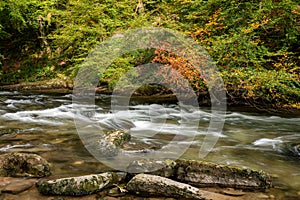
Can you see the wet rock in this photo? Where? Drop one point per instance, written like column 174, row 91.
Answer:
column 140, row 146
column 9, row 131
column 291, row 150
column 152, row 185
column 117, row 137
column 23, row 165
column 295, row 150
column 17, row 185
column 165, row 168
column 203, row 174
column 111, row 143
column 200, row 173
column 81, row 185
column 232, row 192
column 116, row 192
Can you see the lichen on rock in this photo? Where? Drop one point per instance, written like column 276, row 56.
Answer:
column 110, row 144
column 201, row 173
column 81, row 185
column 23, row 165
column 152, row 185
column 165, row 168
column 204, row 174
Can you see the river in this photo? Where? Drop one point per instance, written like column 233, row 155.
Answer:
column 44, row 124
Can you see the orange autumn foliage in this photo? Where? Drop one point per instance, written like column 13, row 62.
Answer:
column 182, row 69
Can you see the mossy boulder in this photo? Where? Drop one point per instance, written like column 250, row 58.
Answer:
column 117, row 137
column 81, row 185
column 23, row 165
column 201, row 173
column 204, row 174
column 110, row 144
column 152, row 185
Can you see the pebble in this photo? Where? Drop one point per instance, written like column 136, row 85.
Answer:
column 16, row 185
column 232, row 192
column 115, row 192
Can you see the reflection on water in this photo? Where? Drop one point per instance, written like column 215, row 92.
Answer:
column 44, row 124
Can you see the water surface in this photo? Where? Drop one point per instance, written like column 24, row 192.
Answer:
column 44, row 124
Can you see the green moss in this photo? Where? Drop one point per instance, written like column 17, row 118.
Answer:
column 203, row 173
column 21, row 164
column 78, row 186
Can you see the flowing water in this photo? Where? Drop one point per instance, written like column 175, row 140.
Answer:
column 44, row 124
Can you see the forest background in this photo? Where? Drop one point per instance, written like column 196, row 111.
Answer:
column 255, row 44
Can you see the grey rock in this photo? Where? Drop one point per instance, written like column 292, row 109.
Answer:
column 204, row 174
column 109, row 144
column 165, row 168
column 23, row 165
column 152, row 185
column 81, row 185
column 201, row 173
column 17, row 185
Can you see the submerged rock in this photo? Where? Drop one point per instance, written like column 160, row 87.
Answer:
column 200, row 173
column 152, row 185
column 23, row 165
column 81, row 185
column 9, row 131
column 291, row 150
column 296, row 150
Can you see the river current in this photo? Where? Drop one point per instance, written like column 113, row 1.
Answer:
column 44, row 124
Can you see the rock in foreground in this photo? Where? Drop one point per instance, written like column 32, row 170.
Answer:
column 200, row 173
column 204, row 174
column 23, row 165
column 152, row 185
column 78, row 186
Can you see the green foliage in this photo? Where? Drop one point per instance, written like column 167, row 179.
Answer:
column 255, row 44
column 262, row 87
column 123, row 64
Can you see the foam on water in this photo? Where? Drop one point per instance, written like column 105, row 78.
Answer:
column 20, row 101
column 8, row 147
column 267, row 142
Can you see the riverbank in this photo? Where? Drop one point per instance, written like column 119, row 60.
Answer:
column 59, row 86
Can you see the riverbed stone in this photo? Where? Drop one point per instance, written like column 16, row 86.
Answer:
column 81, row 185
column 201, row 173
column 16, row 185
column 4, row 131
column 152, row 185
column 116, row 192
column 290, row 149
column 23, row 165
column 110, row 144
column 296, row 150
column 117, row 137
column 165, row 168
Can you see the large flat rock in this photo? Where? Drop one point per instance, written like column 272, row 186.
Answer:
column 204, row 174
column 152, row 185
